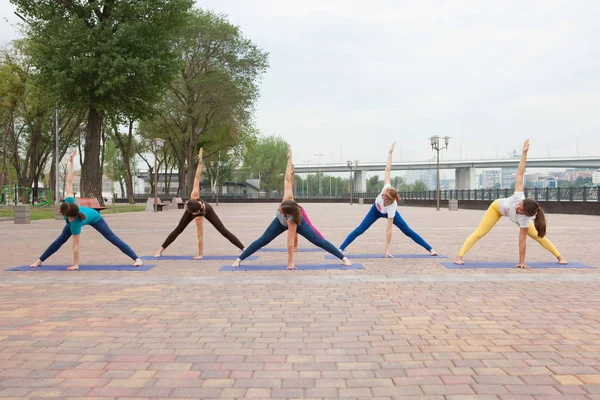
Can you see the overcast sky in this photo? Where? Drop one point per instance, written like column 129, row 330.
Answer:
column 347, row 78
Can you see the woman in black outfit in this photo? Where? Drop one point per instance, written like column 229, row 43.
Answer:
column 196, row 209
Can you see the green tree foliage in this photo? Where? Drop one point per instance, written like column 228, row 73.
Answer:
column 266, row 160
column 109, row 56
column 420, row 186
column 211, row 102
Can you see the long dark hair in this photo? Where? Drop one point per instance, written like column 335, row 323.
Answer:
column 71, row 210
column 290, row 207
column 531, row 208
column 193, row 206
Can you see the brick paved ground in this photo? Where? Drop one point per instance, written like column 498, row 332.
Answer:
column 400, row 329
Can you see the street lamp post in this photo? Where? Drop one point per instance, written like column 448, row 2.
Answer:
column 319, row 173
column 350, row 166
column 350, row 180
column 156, row 143
column 306, row 163
column 435, row 145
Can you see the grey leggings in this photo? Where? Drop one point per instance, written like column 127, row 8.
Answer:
column 276, row 229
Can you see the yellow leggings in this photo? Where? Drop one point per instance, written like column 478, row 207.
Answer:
column 490, row 218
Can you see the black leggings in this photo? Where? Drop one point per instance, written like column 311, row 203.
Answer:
column 212, row 217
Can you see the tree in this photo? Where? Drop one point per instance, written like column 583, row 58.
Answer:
column 420, row 186
column 215, row 92
column 109, row 56
column 373, row 184
column 266, row 160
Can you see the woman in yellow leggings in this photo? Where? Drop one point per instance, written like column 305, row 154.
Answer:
column 526, row 213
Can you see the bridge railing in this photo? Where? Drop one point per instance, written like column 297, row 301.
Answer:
column 583, row 193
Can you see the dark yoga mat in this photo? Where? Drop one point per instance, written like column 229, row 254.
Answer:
column 381, row 255
column 191, row 258
column 284, row 250
column 85, row 267
column 552, row 264
column 283, row 267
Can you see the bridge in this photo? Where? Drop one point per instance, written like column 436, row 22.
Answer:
column 464, row 169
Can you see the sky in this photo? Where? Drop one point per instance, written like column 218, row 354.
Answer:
column 348, row 78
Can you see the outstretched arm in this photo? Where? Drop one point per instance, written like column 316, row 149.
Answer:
column 388, row 167
column 288, row 189
column 196, row 189
column 521, row 168
column 69, row 185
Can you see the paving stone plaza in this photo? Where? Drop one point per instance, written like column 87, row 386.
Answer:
column 399, row 329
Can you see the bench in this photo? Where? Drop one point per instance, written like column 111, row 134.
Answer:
column 177, row 201
column 91, row 203
column 158, row 205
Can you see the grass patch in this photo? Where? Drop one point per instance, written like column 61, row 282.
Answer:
column 47, row 212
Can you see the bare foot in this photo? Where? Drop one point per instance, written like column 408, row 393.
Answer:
column 347, row 262
column 562, row 260
column 459, row 261
column 433, row 252
column 522, row 266
column 236, row 263
column 198, row 257
column 138, row 262
column 388, row 255
column 36, row 264
column 73, row 268
column 159, row 253
column 295, row 249
column 291, row 265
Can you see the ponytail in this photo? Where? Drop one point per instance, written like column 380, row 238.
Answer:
column 290, row 207
column 393, row 193
column 71, row 210
column 533, row 209
column 540, row 223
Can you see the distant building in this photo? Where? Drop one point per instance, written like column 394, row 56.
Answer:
column 489, row 178
column 596, row 177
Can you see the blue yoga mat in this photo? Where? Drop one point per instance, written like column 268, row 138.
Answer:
column 85, row 267
column 207, row 258
column 552, row 264
column 283, row 267
column 359, row 256
column 284, row 250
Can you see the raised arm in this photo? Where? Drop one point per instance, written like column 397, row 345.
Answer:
column 388, row 167
column 196, row 188
column 288, row 188
column 521, row 168
column 69, row 184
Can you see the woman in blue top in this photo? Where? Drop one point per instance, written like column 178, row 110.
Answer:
column 288, row 217
column 76, row 217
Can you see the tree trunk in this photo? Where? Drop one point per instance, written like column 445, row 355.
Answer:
column 126, row 149
column 91, row 171
column 169, row 179
column 190, row 162
column 181, row 176
column 123, row 189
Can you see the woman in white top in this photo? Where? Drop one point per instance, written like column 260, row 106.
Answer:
column 526, row 213
column 386, row 206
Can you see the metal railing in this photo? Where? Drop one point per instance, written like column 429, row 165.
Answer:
column 583, row 193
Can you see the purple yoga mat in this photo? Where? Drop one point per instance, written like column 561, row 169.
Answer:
column 85, row 267
column 553, row 264
column 381, row 255
column 283, row 267
column 284, row 250
column 188, row 258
